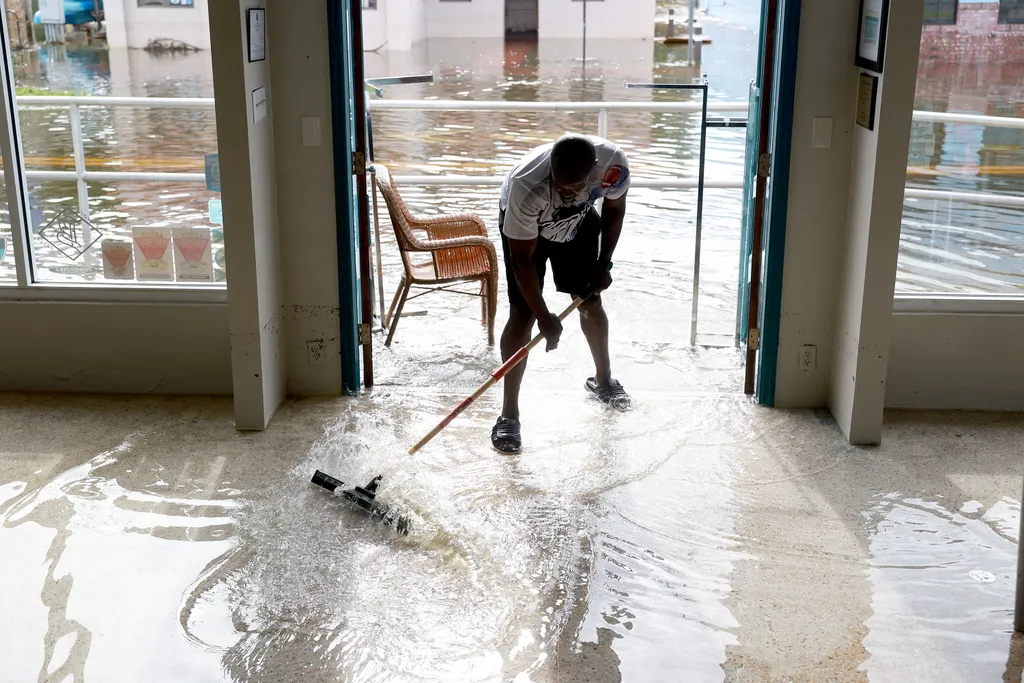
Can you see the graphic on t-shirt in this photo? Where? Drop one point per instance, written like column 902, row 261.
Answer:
column 564, row 223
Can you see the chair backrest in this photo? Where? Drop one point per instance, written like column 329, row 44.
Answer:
column 401, row 218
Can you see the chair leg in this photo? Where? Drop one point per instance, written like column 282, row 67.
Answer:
column 483, row 303
column 394, row 302
column 398, row 314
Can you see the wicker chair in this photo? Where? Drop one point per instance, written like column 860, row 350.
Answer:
column 460, row 251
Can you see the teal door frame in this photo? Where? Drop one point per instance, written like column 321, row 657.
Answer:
column 765, row 197
column 787, row 36
column 341, row 39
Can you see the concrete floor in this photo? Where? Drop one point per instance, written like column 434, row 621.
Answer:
column 696, row 538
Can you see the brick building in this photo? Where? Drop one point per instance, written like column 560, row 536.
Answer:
column 973, row 31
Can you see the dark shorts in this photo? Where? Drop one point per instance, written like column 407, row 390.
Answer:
column 572, row 262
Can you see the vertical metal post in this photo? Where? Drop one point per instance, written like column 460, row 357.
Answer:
column 14, row 164
column 602, row 123
column 1018, row 613
column 83, row 187
column 691, row 49
column 584, row 38
column 700, row 214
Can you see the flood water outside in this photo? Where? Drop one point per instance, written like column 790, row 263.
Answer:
column 946, row 247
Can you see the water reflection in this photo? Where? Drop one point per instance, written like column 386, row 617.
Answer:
column 943, row 590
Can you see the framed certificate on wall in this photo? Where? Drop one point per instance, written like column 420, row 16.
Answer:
column 871, row 30
column 257, row 34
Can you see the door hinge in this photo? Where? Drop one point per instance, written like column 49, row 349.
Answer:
column 754, row 339
column 764, row 165
column 359, row 163
column 365, row 335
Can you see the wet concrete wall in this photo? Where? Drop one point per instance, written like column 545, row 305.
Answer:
column 119, row 348
column 953, row 361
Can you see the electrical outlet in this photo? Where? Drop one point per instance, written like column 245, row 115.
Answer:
column 315, row 347
column 808, row 358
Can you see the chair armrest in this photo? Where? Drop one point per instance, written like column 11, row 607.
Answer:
column 447, row 227
column 460, row 243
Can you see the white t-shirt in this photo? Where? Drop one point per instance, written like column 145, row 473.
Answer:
column 533, row 206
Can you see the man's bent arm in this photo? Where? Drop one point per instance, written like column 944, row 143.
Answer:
column 613, row 212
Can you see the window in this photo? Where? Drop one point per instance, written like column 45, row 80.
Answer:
column 940, row 11
column 1011, row 11
column 167, row 3
column 114, row 191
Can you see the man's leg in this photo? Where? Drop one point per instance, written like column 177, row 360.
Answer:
column 518, row 331
column 594, row 322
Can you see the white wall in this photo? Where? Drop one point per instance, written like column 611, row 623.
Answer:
column 878, row 179
column 249, row 191
column 607, row 19
column 300, row 70
column 945, row 361
column 818, row 199
column 475, row 19
column 129, row 25
column 375, row 25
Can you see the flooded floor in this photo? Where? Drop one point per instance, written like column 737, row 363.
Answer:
column 697, row 537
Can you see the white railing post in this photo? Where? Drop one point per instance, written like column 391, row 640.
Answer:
column 602, row 124
column 79, row 150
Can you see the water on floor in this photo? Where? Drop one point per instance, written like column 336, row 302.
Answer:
column 694, row 536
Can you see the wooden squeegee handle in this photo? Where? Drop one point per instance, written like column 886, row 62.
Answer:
column 506, row 368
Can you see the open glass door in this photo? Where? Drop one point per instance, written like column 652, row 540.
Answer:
column 754, row 194
column 349, row 127
column 766, row 196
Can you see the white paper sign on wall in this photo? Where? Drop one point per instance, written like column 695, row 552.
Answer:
column 259, row 104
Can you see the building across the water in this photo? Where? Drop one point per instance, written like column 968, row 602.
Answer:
column 979, row 31
column 399, row 24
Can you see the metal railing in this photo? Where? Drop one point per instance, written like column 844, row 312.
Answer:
column 739, row 108
column 81, row 175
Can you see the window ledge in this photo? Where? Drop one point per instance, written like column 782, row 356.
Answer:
column 960, row 304
column 115, row 295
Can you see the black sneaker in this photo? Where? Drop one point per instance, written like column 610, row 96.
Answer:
column 611, row 394
column 506, row 436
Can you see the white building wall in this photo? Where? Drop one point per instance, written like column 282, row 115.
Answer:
column 606, row 19
column 461, row 19
column 129, row 25
column 375, row 26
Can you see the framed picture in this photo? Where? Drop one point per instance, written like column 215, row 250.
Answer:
column 257, row 23
column 867, row 101
column 871, row 30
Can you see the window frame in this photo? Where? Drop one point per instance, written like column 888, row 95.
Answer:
column 27, row 287
column 942, row 22
column 1005, row 9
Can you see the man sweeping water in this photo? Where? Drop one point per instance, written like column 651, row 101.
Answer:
column 548, row 215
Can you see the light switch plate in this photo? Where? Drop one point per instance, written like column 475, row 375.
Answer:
column 821, row 135
column 311, row 131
